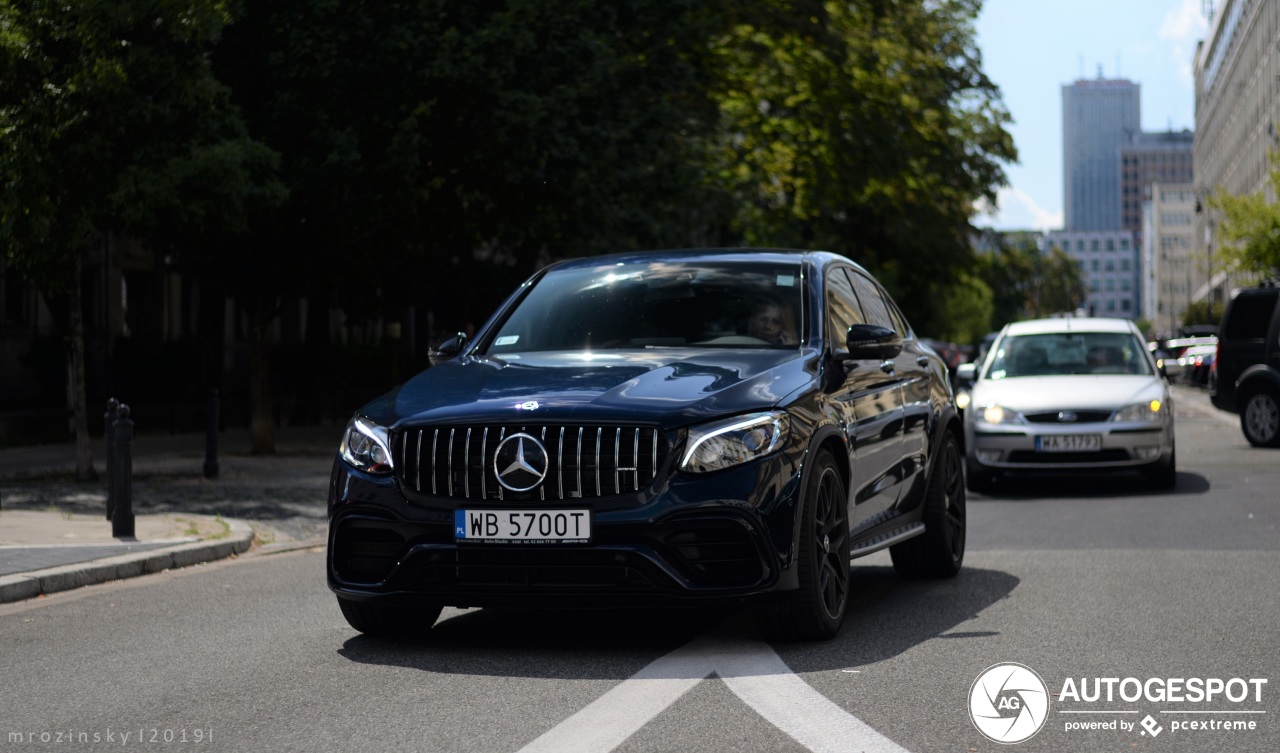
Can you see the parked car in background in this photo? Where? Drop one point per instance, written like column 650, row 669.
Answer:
column 1246, row 373
column 1196, row 362
column 1069, row 394
column 655, row 429
column 1174, row 363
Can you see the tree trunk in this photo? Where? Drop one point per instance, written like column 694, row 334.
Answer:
column 76, row 393
column 261, row 409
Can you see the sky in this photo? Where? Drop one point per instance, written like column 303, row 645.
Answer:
column 1031, row 48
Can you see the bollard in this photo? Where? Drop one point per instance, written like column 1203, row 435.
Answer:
column 122, row 450
column 109, row 432
column 211, row 435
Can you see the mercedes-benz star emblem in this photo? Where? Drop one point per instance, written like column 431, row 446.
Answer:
column 520, row 462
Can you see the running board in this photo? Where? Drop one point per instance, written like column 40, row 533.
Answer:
column 886, row 539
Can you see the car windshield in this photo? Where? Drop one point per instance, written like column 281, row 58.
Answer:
column 711, row 304
column 1064, row 353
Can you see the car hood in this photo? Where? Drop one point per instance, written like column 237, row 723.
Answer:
column 669, row 387
column 1080, row 392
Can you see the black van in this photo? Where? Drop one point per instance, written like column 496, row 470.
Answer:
column 1246, row 374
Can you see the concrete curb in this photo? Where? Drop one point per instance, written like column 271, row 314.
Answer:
column 29, row 585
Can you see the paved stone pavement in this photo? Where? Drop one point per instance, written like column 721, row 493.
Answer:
column 50, row 524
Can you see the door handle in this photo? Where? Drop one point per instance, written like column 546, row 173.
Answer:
column 886, row 367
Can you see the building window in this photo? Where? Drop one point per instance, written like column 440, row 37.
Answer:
column 1111, row 244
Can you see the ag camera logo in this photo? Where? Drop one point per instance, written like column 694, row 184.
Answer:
column 1008, row 703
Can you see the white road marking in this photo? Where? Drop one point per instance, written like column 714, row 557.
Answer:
column 750, row 668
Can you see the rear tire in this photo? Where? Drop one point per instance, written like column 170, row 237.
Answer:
column 395, row 621
column 1260, row 417
column 816, row 611
column 939, row 551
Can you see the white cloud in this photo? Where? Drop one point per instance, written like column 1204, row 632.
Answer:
column 1183, row 27
column 1016, row 210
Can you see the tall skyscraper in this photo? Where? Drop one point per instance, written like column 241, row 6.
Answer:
column 1099, row 116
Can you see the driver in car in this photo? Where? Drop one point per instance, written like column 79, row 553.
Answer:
column 767, row 323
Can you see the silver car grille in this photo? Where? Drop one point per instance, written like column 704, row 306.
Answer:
column 583, row 461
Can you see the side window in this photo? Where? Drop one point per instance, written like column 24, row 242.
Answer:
column 873, row 302
column 1250, row 316
column 842, row 307
column 899, row 321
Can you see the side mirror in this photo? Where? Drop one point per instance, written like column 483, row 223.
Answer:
column 871, row 341
column 447, row 349
column 966, row 375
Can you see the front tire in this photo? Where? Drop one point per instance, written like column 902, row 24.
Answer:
column 939, row 551
column 1260, row 418
column 1165, row 473
column 817, row 609
column 394, row 621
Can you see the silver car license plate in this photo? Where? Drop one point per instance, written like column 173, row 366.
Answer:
column 1069, row 443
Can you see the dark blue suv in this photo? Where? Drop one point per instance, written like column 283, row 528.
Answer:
column 655, row 429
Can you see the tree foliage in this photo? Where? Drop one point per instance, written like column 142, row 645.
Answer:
column 1027, row 283
column 867, row 128
column 1250, row 229
column 111, row 123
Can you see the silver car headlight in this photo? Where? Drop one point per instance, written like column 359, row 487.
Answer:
column 367, row 446
column 1149, row 412
column 722, row 444
column 997, row 414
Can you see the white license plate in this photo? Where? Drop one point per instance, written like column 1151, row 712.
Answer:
column 527, row 527
column 1069, row 443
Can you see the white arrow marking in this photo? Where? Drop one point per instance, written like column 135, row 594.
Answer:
column 751, row 669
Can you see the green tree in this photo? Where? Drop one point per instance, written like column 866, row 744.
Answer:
column 1027, row 283
column 1250, row 228
column 110, row 122
column 1202, row 312
column 970, row 304
column 866, row 128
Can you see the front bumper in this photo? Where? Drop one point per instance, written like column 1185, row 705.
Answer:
column 1121, row 446
column 685, row 541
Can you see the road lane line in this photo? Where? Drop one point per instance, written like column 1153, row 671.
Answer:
column 760, row 678
column 751, row 669
column 609, row 720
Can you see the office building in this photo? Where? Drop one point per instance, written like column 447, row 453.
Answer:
column 1110, row 265
column 1099, row 117
column 1151, row 157
column 1171, row 273
column 1237, row 71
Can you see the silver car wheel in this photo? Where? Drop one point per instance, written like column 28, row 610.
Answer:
column 1262, row 419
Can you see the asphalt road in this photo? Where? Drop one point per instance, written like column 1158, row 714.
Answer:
column 1079, row 580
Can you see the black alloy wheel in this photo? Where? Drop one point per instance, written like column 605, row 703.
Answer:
column 939, row 551
column 817, row 609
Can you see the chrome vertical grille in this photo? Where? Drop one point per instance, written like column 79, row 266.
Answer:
column 584, row 462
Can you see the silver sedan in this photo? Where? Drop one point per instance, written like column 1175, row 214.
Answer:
column 1069, row 394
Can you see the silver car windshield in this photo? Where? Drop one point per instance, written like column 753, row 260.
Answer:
column 658, row 305
column 1066, row 353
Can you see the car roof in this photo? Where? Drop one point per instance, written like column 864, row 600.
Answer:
column 1069, row 324
column 766, row 255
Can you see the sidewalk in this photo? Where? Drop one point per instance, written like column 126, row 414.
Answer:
column 54, row 534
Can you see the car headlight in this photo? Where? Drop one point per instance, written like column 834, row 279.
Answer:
column 996, row 414
column 367, row 446
column 723, row 444
column 1150, row 412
